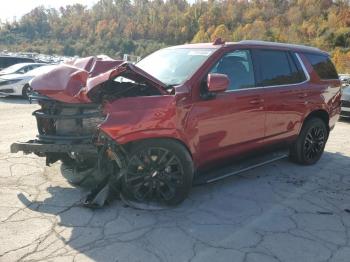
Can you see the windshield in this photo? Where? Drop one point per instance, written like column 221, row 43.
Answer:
column 175, row 65
column 12, row 69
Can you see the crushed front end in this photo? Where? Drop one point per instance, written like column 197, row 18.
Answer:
column 66, row 131
column 72, row 99
column 69, row 133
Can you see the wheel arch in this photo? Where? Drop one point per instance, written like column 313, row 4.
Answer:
column 132, row 138
column 179, row 141
column 26, row 85
column 319, row 113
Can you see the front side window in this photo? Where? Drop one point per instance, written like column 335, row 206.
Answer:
column 323, row 66
column 23, row 70
column 12, row 69
column 238, row 67
column 31, row 67
column 173, row 66
column 276, row 68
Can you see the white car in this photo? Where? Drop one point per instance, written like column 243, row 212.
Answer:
column 20, row 68
column 345, row 79
column 345, row 102
column 345, row 98
column 18, row 84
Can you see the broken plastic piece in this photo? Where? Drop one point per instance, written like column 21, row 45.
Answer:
column 99, row 196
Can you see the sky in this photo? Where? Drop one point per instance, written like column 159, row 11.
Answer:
column 16, row 8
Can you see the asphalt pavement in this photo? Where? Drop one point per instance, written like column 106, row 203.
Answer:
column 280, row 212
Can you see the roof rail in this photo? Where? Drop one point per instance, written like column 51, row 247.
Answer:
column 218, row 41
column 277, row 44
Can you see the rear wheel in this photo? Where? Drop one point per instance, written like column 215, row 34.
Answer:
column 158, row 170
column 309, row 146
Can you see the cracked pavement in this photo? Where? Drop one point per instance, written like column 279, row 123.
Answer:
column 280, row 212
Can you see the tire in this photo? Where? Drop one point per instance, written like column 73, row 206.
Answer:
column 309, row 146
column 83, row 164
column 158, row 170
column 25, row 91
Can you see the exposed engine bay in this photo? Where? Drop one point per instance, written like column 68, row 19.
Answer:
column 112, row 90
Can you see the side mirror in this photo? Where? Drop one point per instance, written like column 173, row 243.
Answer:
column 217, row 83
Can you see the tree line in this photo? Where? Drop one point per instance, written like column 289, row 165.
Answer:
column 139, row 27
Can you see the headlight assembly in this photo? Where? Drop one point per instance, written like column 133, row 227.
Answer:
column 9, row 82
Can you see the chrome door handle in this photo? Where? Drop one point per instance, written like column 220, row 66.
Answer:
column 256, row 101
column 302, row 95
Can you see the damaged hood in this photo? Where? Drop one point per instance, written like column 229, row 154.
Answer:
column 71, row 82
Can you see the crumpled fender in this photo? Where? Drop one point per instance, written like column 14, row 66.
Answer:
column 150, row 117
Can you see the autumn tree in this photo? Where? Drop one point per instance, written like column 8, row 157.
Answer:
column 139, row 27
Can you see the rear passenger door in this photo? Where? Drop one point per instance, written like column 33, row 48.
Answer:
column 281, row 76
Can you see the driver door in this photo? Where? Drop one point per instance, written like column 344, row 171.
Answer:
column 232, row 122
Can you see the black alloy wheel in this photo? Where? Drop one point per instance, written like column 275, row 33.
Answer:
column 160, row 171
column 314, row 142
column 309, row 146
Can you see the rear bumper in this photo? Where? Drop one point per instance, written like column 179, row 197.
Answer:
column 34, row 146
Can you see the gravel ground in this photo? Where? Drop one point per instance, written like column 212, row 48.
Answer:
column 280, row 212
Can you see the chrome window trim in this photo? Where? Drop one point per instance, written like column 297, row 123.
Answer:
column 306, row 73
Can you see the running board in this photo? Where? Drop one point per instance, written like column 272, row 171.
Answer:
column 239, row 167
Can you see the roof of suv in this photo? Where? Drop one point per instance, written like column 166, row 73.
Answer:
column 255, row 43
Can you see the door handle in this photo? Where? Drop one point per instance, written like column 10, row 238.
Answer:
column 256, row 101
column 302, row 95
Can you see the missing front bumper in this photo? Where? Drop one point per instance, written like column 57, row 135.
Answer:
column 36, row 147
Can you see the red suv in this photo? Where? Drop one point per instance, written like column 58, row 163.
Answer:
column 185, row 114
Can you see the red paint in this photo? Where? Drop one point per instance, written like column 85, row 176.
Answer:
column 230, row 124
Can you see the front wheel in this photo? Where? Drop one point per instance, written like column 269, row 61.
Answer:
column 309, row 146
column 158, row 170
column 26, row 91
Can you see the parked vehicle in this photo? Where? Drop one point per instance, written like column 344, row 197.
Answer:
column 345, row 108
column 6, row 61
column 18, row 84
column 345, row 102
column 20, row 68
column 155, row 128
column 345, row 79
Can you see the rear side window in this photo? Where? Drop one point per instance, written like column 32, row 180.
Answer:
column 277, row 68
column 323, row 66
